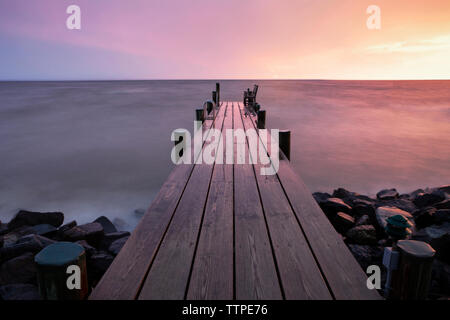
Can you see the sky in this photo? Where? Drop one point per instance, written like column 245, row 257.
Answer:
column 224, row 39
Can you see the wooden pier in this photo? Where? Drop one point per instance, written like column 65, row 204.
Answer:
column 223, row 231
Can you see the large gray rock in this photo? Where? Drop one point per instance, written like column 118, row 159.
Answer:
column 428, row 199
column 342, row 222
column 108, row 226
column 404, row 204
column 44, row 229
column 31, row 243
column 18, row 270
column 387, row 194
column 11, row 238
column 117, row 245
column 363, row 234
column 19, row 291
column 351, row 198
column 438, row 236
column 67, row 226
column 334, row 205
column 383, row 213
column 29, row 218
column 91, row 232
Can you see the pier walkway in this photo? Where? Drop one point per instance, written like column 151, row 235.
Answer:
column 224, row 231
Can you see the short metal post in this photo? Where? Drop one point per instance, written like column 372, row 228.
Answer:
column 261, row 122
column 284, row 143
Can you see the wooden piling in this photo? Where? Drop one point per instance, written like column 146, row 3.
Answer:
column 199, row 115
column 284, row 143
column 214, row 97
column 261, row 121
column 57, row 265
column 218, row 92
column 412, row 278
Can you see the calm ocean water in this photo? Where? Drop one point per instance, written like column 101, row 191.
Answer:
column 103, row 148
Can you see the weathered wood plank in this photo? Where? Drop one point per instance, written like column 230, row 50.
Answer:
column 299, row 273
column 125, row 276
column 169, row 272
column 256, row 275
column 212, row 273
column 345, row 277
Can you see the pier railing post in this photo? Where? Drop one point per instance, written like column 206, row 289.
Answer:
column 218, row 92
column 261, row 121
column 284, row 142
column 199, row 115
column 214, row 98
column 411, row 280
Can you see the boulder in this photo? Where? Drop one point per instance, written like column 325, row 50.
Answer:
column 19, row 291
column 321, row 196
column 11, row 238
column 438, row 236
column 44, row 229
column 404, row 204
column 441, row 276
column 67, row 226
column 363, row 220
column 334, row 205
column 91, row 232
column 117, row 245
column 361, row 209
column 29, row 218
column 364, row 234
column 383, row 213
column 342, row 222
column 366, row 255
column 351, row 197
column 443, row 204
column 3, row 228
column 428, row 199
column 445, row 188
column 90, row 250
column 441, row 216
column 18, row 270
column 387, row 194
column 108, row 226
column 109, row 238
column 31, row 243
column 425, row 218
column 98, row 263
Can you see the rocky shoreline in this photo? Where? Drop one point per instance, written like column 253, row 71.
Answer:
column 361, row 220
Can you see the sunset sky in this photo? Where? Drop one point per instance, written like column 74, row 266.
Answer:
column 226, row 39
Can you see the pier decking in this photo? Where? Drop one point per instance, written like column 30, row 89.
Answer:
column 224, row 231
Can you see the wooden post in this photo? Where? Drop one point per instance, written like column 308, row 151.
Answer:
column 60, row 268
column 412, row 278
column 218, row 92
column 284, row 143
column 199, row 115
column 261, row 122
column 214, row 97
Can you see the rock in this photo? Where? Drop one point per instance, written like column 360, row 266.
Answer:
column 363, row 220
column 428, row 199
column 425, row 218
column 366, row 255
column 90, row 250
column 351, row 197
column 117, row 245
column 19, row 291
column 11, row 238
column 404, row 204
column 415, row 193
column 342, row 222
column 44, row 229
column 445, row 189
column 441, row 275
column 18, row 270
column 443, row 205
column 383, row 213
column 91, row 232
column 441, row 216
column 387, row 194
column 364, row 234
column 109, row 238
column 334, row 205
column 108, row 226
column 321, row 196
column 361, row 209
column 31, row 243
column 440, row 240
column 3, row 228
column 99, row 263
column 28, row 218
column 67, row 226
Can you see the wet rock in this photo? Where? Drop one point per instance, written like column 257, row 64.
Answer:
column 321, row 196
column 441, row 216
column 11, row 238
column 44, row 229
column 366, row 255
column 404, row 204
column 98, row 263
column 19, row 291
column 361, row 209
column 443, row 204
column 18, row 270
column 387, row 194
column 91, row 232
column 67, row 226
column 117, row 245
column 3, row 228
column 440, row 240
column 342, row 222
column 428, row 199
column 445, row 189
column 351, row 197
column 441, row 275
column 363, row 220
column 108, row 226
column 90, row 250
column 383, row 213
column 364, row 234
column 31, row 243
column 425, row 218
column 109, row 238
column 334, row 205
column 29, row 218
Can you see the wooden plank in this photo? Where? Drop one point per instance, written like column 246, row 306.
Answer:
column 299, row 273
column 125, row 276
column 169, row 272
column 212, row 273
column 345, row 277
column 256, row 275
